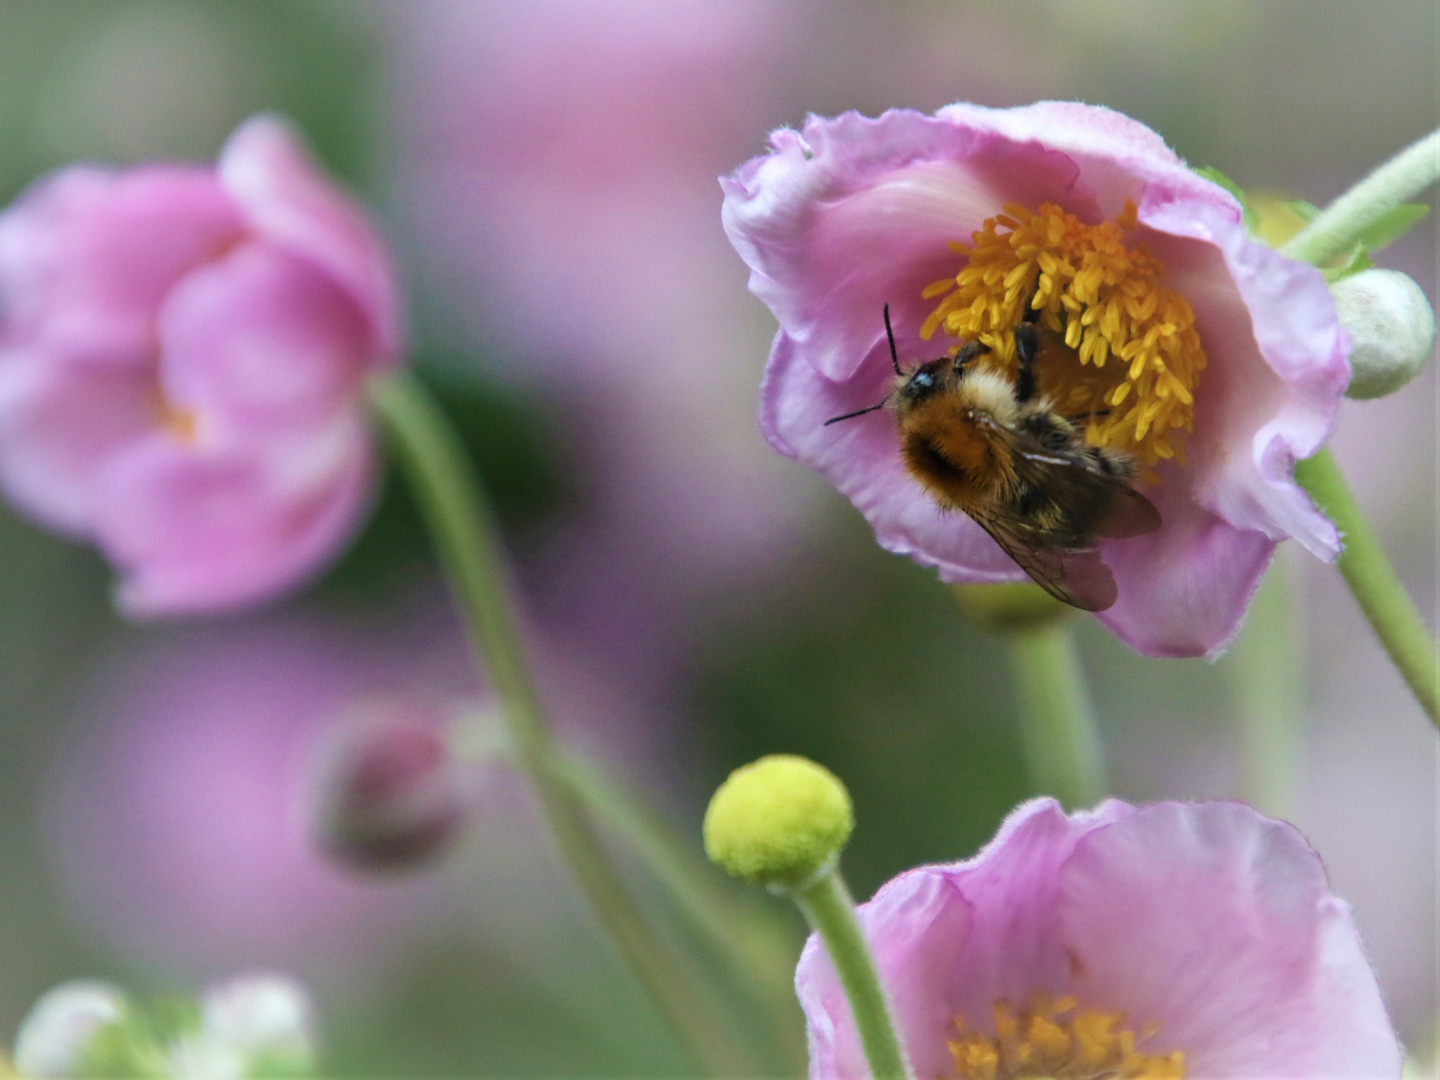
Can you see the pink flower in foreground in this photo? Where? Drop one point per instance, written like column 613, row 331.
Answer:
column 1173, row 940
column 181, row 363
column 1226, row 361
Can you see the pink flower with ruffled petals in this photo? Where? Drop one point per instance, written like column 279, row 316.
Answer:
column 181, row 367
column 851, row 214
column 1166, row 941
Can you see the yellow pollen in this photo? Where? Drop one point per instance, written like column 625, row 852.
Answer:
column 1053, row 1040
column 172, row 418
column 1138, row 356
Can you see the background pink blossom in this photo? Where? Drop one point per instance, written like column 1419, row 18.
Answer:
column 181, row 368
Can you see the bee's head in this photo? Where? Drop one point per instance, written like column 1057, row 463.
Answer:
column 928, row 379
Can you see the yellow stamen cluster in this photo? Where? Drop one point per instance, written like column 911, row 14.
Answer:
column 1055, row 1041
column 1137, row 355
column 179, row 422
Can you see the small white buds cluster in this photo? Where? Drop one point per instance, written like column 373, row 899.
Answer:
column 1392, row 330
column 251, row 1025
column 55, row 1038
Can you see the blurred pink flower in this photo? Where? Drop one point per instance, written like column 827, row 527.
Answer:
column 181, row 815
column 1206, row 932
column 181, row 363
column 852, row 213
column 589, row 267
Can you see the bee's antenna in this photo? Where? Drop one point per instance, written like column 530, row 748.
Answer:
column 857, row 412
column 890, row 336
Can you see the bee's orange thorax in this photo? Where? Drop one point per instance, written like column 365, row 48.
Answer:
column 956, row 459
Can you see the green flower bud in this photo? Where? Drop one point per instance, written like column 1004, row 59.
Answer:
column 1391, row 329
column 1017, row 605
column 779, row 822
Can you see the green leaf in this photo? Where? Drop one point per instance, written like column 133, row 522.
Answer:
column 1393, row 225
column 1359, row 260
column 1215, row 176
column 1305, row 211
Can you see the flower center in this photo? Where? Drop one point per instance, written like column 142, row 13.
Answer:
column 1055, row 1041
column 177, row 421
column 1136, row 354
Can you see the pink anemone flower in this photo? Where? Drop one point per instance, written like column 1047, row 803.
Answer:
column 182, row 356
column 1208, row 359
column 1154, row 943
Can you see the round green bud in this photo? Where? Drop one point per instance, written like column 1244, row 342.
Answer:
column 1392, row 330
column 1018, row 605
column 779, row 822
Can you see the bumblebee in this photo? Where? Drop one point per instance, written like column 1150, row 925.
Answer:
column 999, row 450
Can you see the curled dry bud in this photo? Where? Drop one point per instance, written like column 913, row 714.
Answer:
column 1392, row 330
column 391, row 795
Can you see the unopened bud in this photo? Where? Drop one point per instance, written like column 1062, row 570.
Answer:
column 1392, row 329
column 391, row 793
column 779, row 822
column 57, row 1036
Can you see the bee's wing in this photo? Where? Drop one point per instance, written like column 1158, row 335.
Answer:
column 1075, row 577
column 1131, row 514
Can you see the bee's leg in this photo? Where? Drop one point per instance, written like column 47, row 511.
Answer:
column 1027, row 348
column 969, row 351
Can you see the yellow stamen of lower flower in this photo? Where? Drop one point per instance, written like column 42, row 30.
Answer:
column 178, row 421
column 1137, row 355
column 1053, row 1040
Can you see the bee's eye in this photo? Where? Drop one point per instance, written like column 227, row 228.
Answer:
column 923, row 379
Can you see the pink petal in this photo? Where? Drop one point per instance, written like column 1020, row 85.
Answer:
column 854, row 213
column 915, row 926
column 951, row 940
column 87, row 255
column 1216, row 924
column 60, row 424
column 1014, row 949
column 289, row 202
column 1277, row 371
column 260, row 340
column 861, row 457
column 1184, row 589
column 197, row 532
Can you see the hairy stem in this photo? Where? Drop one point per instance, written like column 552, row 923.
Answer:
column 467, row 541
column 1264, row 669
column 1374, row 583
column 1062, row 745
column 1336, row 228
column 828, row 908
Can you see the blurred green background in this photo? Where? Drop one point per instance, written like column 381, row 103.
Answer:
column 547, row 181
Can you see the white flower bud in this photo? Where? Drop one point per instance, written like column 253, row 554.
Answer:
column 260, row 1014
column 1392, row 329
column 58, row 1030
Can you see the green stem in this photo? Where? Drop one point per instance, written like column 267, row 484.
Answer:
column 1264, row 667
column 828, row 908
column 1057, row 726
column 752, row 939
column 1336, row 228
column 1374, row 583
column 751, row 942
column 467, row 541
